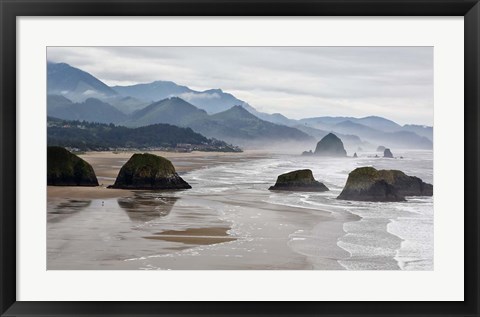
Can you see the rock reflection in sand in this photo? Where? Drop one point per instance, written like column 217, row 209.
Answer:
column 65, row 209
column 147, row 206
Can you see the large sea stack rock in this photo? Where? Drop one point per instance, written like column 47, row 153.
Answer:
column 301, row 180
column 330, row 145
column 369, row 184
column 387, row 153
column 148, row 171
column 67, row 169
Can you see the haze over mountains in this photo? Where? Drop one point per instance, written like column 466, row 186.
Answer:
column 77, row 95
column 75, row 84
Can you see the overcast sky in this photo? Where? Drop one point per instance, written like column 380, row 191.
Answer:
column 299, row 82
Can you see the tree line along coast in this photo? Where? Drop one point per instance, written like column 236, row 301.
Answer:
column 152, row 172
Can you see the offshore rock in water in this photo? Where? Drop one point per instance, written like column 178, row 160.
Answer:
column 369, row 184
column 387, row 153
column 67, row 169
column 301, row 180
column 148, row 171
column 380, row 148
column 330, row 145
column 307, row 153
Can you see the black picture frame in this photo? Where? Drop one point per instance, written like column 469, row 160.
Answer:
column 10, row 9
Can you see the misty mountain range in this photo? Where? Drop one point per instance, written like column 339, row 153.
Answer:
column 74, row 94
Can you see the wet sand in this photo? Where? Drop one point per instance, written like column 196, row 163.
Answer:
column 77, row 192
column 66, row 203
column 201, row 236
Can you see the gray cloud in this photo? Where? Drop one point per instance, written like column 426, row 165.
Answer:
column 394, row 82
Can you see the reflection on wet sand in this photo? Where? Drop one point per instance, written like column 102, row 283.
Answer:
column 147, row 206
column 200, row 236
column 66, row 209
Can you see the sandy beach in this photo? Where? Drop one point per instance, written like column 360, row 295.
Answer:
column 229, row 220
column 151, row 225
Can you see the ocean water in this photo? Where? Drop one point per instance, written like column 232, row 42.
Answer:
column 273, row 230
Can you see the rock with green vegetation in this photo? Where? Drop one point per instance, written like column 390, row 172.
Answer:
column 380, row 148
column 67, row 169
column 148, row 171
column 406, row 185
column 301, row 180
column 369, row 184
column 330, row 145
column 387, row 153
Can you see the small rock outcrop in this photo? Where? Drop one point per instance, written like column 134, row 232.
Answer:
column 330, row 145
column 66, row 169
column 148, row 171
column 355, row 155
column 307, row 153
column 381, row 148
column 301, row 180
column 369, row 184
column 387, row 153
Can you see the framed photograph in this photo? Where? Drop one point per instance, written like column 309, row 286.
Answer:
column 237, row 158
